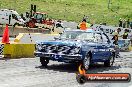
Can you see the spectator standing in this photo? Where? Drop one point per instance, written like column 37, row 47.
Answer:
column 124, row 23
column 84, row 25
column 125, row 35
column 116, row 35
column 120, row 22
column 128, row 23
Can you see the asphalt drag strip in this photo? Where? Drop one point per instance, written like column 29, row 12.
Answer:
column 27, row 72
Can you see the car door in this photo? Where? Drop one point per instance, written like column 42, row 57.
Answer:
column 98, row 49
column 106, row 46
column 13, row 19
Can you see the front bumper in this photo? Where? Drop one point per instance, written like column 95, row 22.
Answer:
column 59, row 57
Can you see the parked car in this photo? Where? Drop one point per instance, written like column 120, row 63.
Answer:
column 77, row 46
column 11, row 17
column 124, row 44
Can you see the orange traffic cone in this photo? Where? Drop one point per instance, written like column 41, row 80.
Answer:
column 5, row 38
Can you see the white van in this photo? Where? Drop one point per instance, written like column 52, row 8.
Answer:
column 10, row 17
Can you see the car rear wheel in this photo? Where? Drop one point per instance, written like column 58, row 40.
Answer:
column 44, row 61
column 31, row 24
column 109, row 62
column 87, row 62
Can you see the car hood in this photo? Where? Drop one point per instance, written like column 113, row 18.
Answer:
column 77, row 43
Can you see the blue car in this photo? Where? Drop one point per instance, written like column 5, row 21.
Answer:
column 77, row 46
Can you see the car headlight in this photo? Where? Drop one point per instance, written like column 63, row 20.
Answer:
column 75, row 50
column 38, row 47
column 43, row 46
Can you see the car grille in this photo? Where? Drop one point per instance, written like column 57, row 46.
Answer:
column 63, row 49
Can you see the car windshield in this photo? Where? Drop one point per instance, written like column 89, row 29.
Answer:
column 18, row 16
column 39, row 16
column 78, row 35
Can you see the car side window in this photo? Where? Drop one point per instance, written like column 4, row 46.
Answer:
column 14, row 16
column 39, row 16
column 105, row 39
column 98, row 38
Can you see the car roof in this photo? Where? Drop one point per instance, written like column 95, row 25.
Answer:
column 78, row 30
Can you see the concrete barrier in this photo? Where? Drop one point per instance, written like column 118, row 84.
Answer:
column 33, row 37
column 18, row 50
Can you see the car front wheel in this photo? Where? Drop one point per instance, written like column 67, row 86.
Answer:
column 109, row 62
column 44, row 61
